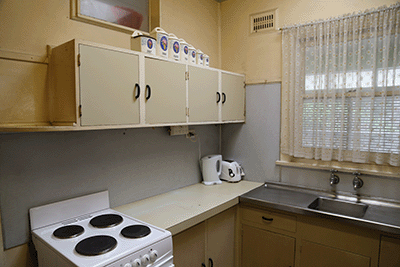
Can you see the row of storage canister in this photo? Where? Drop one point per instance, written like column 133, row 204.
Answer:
column 169, row 46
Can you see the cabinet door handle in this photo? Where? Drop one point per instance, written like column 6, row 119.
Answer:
column 148, row 92
column 219, row 97
column 267, row 219
column 211, row 262
column 224, row 98
column 137, row 87
column 203, row 265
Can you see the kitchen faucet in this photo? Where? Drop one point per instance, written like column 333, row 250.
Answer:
column 334, row 178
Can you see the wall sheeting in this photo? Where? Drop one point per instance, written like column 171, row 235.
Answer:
column 255, row 144
column 41, row 168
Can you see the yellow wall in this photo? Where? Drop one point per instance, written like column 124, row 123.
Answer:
column 259, row 55
column 195, row 21
column 27, row 27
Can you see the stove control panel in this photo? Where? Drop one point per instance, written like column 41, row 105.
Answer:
column 155, row 255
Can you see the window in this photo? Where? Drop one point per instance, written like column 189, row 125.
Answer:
column 341, row 89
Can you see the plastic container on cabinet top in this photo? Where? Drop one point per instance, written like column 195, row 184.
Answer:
column 143, row 43
column 162, row 41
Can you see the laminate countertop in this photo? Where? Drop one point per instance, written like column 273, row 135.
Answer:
column 183, row 208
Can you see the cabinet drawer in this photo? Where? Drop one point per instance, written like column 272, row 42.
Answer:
column 269, row 219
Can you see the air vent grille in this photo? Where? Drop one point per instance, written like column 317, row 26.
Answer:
column 261, row 22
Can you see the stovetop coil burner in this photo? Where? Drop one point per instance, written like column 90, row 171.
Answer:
column 136, row 231
column 106, row 220
column 96, row 245
column 68, row 231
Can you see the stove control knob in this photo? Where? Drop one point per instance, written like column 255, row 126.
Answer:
column 145, row 260
column 128, row 265
column 136, row 263
column 153, row 255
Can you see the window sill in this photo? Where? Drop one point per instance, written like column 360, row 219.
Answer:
column 368, row 169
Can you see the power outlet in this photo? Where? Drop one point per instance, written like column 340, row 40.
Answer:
column 178, row 130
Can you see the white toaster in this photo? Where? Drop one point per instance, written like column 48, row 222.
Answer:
column 231, row 171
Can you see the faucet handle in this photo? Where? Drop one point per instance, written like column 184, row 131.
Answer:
column 334, row 179
column 357, row 181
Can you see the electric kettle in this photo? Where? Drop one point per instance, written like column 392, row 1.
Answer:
column 231, row 171
column 211, row 169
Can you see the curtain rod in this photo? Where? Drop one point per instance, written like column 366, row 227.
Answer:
column 359, row 14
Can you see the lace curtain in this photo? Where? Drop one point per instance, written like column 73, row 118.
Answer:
column 341, row 88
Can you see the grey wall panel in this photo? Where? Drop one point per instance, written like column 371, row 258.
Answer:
column 255, row 144
column 41, row 168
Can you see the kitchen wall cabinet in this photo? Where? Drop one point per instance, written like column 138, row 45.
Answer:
column 274, row 238
column 203, row 94
column 233, row 97
column 94, row 86
column 108, row 93
column 165, row 91
column 211, row 242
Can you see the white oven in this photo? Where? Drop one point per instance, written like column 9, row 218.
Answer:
column 84, row 231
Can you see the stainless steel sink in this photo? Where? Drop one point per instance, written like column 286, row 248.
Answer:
column 347, row 208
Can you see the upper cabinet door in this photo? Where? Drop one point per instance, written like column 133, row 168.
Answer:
column 165, row 91
column 108, row 87
column 203, row 95
column 233, row 97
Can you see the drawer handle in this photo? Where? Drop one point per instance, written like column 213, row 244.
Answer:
column 211, row 262
column 267, row 219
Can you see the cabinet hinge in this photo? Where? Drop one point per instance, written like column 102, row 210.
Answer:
column 80, row 110
column 186, row 75
column 79, row 60
column 187, row 112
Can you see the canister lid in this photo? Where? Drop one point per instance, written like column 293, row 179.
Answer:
column 172, row 36
column 182, row 41
column 137, row 34
column 158, row 30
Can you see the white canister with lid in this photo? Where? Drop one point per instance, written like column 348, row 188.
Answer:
column 192, row 55
column 162, row 41
column 184, row 51
column 143, row 43
column 199, row 57
column 174, row 47
column 206, row 60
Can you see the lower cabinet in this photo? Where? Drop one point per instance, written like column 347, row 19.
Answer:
column 313, row 254
column 210, row 243
column 265, row 248
column 279, row 239
column 189, row 246
column 389, row 255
